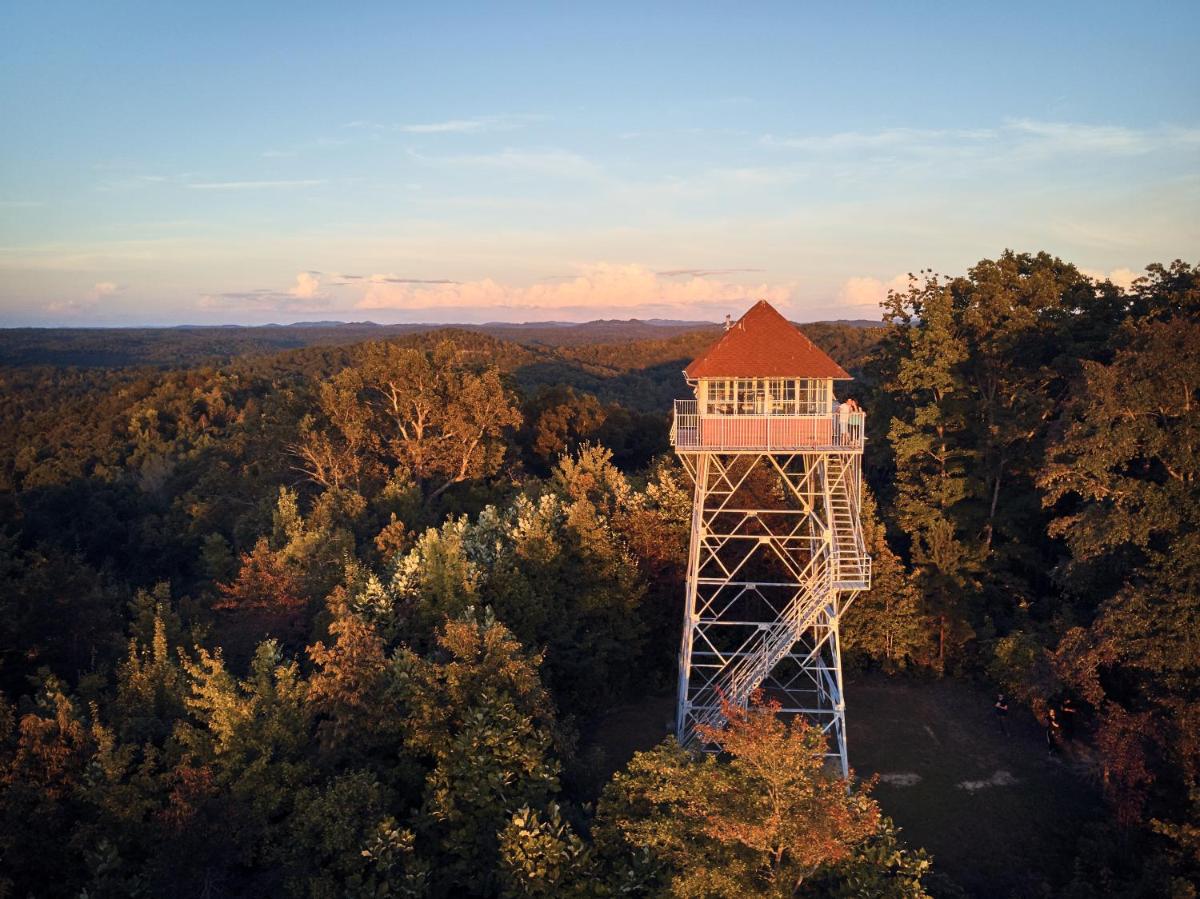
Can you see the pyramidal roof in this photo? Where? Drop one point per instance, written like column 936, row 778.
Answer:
column 764, row 344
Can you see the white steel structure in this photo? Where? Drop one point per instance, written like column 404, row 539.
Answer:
column 776, row 550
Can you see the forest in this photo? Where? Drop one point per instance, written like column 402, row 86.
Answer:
column 339, row 617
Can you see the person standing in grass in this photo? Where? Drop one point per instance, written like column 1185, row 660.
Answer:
column 1053, row 732
column 1000, row 710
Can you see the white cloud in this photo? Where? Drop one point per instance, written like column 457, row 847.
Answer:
column 255, row 185
column 1124, row 277
column 308, row 286
column 599, row 287
column 457, row 126
column 557, row 163
column 85, row 304
column 887, row 139
column 867, row 291
column 1121, row 277
column 70, row 307
column 305, row 294
column 471, row 125
column 1022, row 138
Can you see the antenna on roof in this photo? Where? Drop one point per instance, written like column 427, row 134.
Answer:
column 728, row 321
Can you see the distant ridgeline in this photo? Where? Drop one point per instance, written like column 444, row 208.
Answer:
column 631, row 362
column 194, row 345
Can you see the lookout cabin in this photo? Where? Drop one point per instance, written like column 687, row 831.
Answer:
column 765, row 387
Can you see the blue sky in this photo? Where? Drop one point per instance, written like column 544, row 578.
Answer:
column 255, row 162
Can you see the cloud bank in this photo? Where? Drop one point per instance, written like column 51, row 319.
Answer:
column 599, row 286
column 867, row 292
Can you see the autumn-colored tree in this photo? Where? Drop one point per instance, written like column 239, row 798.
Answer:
column 150, row 684
column 438, row 417
column 359, row 721
column 265, row 599
column 763, row 821
column 338, row 447
column 44, row 755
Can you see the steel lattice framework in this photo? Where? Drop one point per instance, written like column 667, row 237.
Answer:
column 776, row 556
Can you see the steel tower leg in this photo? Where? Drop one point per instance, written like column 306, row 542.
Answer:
column 775, row 556
column 690, row 617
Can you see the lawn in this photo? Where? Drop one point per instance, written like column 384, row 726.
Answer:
column 999, row 816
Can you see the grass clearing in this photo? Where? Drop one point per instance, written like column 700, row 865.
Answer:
column 999, row 816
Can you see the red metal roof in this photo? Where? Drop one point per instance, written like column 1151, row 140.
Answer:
column 764, row 344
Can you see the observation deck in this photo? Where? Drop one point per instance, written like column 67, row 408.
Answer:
column 726, row 432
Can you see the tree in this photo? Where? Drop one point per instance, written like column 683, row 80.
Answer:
column 1124, row 477
column 543, row 856
column 435, row 415
column 886, row 623
column 337, row 448
column 653, row 524
column 561, row 576
column 974, row 372
column 763, row 823
column 435, row 580
column 348, row 686
column 558, row 419
column 265, row 599
column 477, row 711
column 42, row 772
column 342, row 842
column 150, row 682
column 1129, row 451
column 932, row 450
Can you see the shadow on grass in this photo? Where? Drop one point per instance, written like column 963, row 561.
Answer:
column 999, row 816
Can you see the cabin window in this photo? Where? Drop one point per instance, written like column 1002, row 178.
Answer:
column 751, row 398
column 782, row 396
column 814, row 396
column 766, row 396
column 720, row 397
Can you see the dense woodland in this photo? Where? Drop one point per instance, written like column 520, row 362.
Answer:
column 336, row 620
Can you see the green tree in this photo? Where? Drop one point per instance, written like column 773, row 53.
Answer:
column 543, row 856
column 933, row 452
column 1124, row 478
column 477, row 711
column 887, row 622
column 342, row 842
column 558, row 419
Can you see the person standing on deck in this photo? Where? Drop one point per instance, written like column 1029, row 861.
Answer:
column 843, row 422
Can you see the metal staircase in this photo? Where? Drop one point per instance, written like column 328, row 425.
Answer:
column 772, row 642
column 852, row 565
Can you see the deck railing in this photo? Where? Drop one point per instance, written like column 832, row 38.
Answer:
column 692, row 431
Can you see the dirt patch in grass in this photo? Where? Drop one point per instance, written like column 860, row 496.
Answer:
column 999, row 816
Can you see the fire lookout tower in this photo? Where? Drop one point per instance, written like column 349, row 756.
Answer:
column 776, row 551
